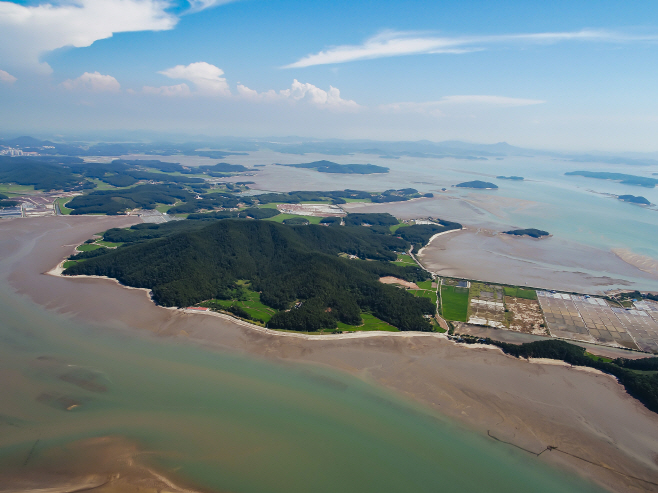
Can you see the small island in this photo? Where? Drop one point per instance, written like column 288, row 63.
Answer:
column 348, row 169
column 634, row 199
column 531, row 232
column 482, row 185
column 514, row 178
column 638, row 181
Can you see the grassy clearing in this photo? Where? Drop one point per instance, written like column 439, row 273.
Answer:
column 88, row 247
column 12, row 189
column 61, row 201
column 250, row 304
column 425, row 284
column 454, row 303
column 603, row 359
column 69, row 263
column 271, row 205
column 165, row 207
column 282, row 217
column 370, row 322
column 395, row 227
column 356, row 200
column 425, row 293
column 404, row 259
column 108, row 244
column 527, row 294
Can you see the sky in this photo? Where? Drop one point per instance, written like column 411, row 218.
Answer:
column 560, row 75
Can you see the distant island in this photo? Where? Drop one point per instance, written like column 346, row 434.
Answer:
column 478, row 184
column 634, row 199
column 532, row 232
column 348, row 169
column 515, row 178
column 639, row 181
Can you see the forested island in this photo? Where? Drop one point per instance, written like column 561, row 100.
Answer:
column 640, row 181
column 634, row 199
column 478, row 184
column 296, row 270
column 531, row 232
column 331, row 167
column 513, row 178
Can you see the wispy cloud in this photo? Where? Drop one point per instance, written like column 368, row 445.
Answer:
column 395, row 43
column 7, row 78
column 93, row 82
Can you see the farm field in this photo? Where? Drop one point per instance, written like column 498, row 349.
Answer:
column 527, row 294
column 454, row 303
column 88, row 247
column 61, row 201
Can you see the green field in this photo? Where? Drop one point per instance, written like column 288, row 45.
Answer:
column 271, row 205
column 454, row 303
column 282, row 217
column 528, row 294
column 356, row 200
column 60, row 202
column 395, row 227
column 404, row 259
column 370, row 322
column 88, row 247
column 11, row 189
column 425, row 293
column 251, row 304
column 425, row 284
column 69, row 263
column 165, row 207
column 107, row 244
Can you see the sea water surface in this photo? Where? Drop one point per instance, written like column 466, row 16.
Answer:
column 225, row 422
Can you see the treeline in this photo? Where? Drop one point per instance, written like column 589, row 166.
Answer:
column 419, row 234
column 42, row 175
column 642, row 386
column 331, row 167
column 117, row 201
column 6, row 202
column 287, row 264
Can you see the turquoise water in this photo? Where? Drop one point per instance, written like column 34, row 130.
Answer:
column 233, row 423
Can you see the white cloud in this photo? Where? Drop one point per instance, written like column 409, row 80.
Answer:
column 301, row 92
column 27, row 32
column 177, row 90
column 206, row 77
column 472, row 101
column 94, row 82
column 7, row 77
column 392, row 43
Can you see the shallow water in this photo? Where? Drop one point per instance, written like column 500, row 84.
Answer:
column 227, row 422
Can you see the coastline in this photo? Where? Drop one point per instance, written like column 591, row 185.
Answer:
column 531, row 405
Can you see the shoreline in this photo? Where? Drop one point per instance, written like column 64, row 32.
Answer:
column 531, row 405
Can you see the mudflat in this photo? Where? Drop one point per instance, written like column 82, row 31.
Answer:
column 530, row 404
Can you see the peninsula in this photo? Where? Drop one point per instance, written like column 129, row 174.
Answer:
column 349, row 169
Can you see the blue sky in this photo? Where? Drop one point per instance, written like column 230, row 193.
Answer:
column 557, row 75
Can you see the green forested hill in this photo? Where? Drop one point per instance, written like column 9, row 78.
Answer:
column 286, row 264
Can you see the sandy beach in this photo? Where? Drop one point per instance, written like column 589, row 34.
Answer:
column 530, row 404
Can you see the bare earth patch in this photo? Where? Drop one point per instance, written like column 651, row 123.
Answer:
column 526, row 316
column 401, row 282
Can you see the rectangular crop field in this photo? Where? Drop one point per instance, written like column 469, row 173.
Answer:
column 526, row 294
column 454, row 303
